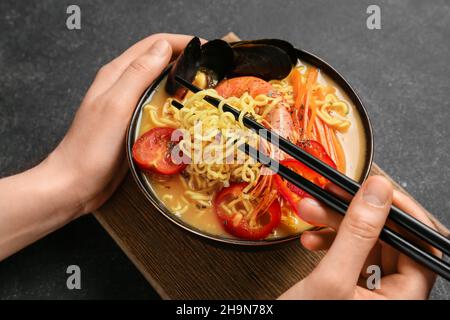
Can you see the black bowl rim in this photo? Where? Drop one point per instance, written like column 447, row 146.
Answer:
column 140, row 178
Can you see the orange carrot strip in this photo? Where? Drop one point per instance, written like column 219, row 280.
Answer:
column 296, row 123
column 330, row 89
column 341, row 163
column 313, row 117
column 320, row 93
column 310, row 81
column 332, row 153
column 321, row 136
column 301, row 95
column 297, row 85
column 315, row 133
column 296, row 80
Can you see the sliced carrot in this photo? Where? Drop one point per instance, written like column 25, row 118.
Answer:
column 310, row 81
column 296, row 80
column 321, row 134
column 320, row 93
column 298, row 86
column 313, row 117
column 331, row 147
column 340, row 155
column 330, row 89
column 315, row 133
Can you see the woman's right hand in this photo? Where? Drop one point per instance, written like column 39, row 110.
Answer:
column 353, row 245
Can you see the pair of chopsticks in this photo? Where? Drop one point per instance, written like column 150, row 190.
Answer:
column 396, row 215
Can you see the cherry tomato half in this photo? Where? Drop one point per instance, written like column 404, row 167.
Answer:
column 152, row 151
column 292, row 193
column 241, row 228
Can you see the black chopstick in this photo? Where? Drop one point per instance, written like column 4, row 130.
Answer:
column 397, row 215
column 388, row 235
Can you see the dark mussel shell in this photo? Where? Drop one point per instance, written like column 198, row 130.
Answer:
column 217, row 59
column 267, row 59
column 186, row 67
column 282, row 44
column 264, row 61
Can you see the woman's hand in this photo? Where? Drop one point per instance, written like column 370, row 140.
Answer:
column 91, row 155
column 89, row 163
column 353, row 246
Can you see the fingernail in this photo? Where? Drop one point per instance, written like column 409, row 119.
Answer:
column 375, row 193
column 311, row 201
column 307, row 201
column 159, row 48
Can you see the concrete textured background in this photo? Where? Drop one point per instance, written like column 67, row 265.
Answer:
column 401, row 72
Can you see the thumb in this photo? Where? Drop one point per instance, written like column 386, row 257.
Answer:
column 140, row 74
column 358, row 232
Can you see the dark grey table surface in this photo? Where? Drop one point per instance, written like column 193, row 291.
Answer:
column 401, row 72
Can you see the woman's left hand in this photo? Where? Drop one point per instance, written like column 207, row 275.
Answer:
column 89, row 163
column 91, row 156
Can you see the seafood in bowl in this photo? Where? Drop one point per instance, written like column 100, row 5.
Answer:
column 188, row 158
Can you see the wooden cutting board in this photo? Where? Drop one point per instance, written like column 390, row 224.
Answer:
column 180, row 265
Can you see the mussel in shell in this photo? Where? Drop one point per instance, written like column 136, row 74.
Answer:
column 185, row 66
column 260, row 60
column 217, row 56
column 267, row 59
column 282, row 44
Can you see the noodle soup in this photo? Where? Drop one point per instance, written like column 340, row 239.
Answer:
column 242, row 199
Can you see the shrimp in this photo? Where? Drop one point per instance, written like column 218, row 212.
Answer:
column 280, row 120
column 281, row 123
column 236, row 87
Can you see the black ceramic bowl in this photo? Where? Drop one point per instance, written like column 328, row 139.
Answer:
column 146, row 187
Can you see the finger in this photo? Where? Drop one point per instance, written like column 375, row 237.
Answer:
column 317, row 214
column 318, row 240
column 410, row 206
column 128, row 89
column 358, row 231
column 373, row 259
column 111, row 72
column 389, row 259
column 399, row 287
column 177, row 41
column 323, row 239
column 407, row 266
column 390, row 256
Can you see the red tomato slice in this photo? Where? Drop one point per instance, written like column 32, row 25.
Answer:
column 152, row 151
column 242, row 229
column 292, row 193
